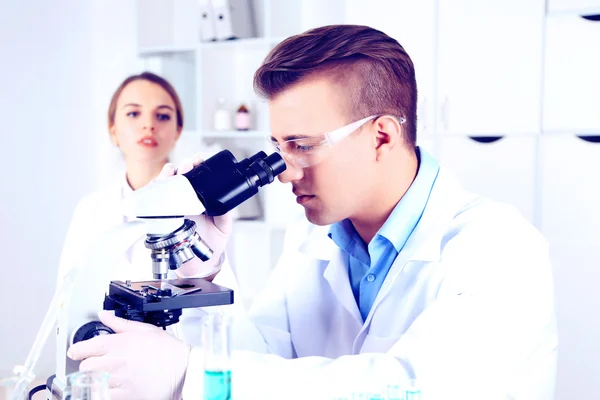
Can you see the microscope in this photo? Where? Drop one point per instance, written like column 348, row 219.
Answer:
column 214, row 187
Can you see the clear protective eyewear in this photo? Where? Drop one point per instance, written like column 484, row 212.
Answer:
column 308, row 151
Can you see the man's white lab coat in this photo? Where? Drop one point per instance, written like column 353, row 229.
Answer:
column 467, row 310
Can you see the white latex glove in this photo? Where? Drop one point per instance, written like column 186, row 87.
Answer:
column 144, row 362
column 215, row 231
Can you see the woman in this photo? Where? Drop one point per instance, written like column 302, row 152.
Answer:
column 145, row 120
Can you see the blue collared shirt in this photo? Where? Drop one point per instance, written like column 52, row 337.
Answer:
column 369, row 265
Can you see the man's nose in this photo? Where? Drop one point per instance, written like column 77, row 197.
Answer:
column 291, row 173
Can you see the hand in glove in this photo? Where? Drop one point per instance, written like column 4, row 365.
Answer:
column 215, row 231
column 144, row 362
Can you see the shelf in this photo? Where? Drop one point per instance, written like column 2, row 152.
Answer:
column 234, row 134
column 153, row 51
column 225, row 44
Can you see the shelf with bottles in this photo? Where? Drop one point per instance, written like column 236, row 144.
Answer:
column 226, row 86
column 170, row 42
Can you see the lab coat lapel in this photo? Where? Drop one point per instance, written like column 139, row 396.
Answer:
column 109, row 210
column 336, row 275
column 446, row 201
column 319, row 246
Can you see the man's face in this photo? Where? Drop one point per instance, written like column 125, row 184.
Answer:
column 338, row 186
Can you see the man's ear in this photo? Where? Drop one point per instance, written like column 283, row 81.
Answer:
column 388, row 136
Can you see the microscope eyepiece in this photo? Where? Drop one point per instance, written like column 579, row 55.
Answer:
column 222, row 183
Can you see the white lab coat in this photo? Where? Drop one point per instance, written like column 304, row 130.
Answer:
column 467, row 310
column 94, row 214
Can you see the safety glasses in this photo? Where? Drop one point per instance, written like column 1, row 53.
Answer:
column 308, row 151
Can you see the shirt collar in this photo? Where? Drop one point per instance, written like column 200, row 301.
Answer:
column 407, row 213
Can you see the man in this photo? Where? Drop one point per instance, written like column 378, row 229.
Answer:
column 414, row 279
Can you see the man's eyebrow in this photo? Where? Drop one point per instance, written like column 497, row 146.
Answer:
column 292, row 137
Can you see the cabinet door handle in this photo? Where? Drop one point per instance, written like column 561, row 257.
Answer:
column 592, row 17
column 486, row 139
column 590, row 138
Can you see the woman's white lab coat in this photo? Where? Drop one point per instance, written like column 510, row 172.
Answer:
column 95, row 214
column 467, row 310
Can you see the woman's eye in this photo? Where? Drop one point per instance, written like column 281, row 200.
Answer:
column 164, row 117
column 133, row 114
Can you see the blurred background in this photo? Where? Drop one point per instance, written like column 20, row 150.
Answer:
column 509, row 99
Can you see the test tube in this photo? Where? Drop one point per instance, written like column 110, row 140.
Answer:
column 413, row 392
column 395, row 392
column 217, row 357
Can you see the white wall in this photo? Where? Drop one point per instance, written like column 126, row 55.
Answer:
column 61, row 61
column 45, row 146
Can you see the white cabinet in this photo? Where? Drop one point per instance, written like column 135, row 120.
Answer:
column 489, row 66
column 572, row 75
column 413, row 25
column 583, row 7
column 502, row 169
column 570, row 220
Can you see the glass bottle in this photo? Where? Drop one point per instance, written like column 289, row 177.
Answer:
column 222, row 119
column 217, row 357
column 242, row 118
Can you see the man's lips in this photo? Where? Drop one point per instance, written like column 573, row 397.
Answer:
column 302, row 198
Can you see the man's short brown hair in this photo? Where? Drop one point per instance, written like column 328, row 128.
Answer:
column 376, row 71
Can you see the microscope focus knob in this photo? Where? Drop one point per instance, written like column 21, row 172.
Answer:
column 90, row 330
